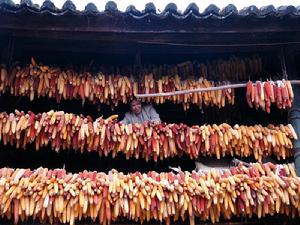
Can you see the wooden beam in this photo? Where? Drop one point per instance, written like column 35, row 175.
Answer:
column 160, row 43
column 175, row 37
column 125, row 24
column 294, row 115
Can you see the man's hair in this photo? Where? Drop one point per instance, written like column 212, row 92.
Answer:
column 135, row 99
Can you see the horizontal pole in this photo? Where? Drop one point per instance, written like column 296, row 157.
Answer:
column 167, row 94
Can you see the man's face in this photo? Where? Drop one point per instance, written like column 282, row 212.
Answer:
column 136, row 107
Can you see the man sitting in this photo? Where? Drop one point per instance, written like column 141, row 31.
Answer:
column 140, row 114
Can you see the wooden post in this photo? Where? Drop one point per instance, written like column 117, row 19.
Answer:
column 294, row 114
column 294, row 118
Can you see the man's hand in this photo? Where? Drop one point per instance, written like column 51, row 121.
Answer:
column 155, row 122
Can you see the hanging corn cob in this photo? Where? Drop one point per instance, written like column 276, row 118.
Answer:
column 37, row 81
column 66, row 130
column 234, row 69
column 57, row 196
column 263, row 94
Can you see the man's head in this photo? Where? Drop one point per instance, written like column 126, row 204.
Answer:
column 136, row 106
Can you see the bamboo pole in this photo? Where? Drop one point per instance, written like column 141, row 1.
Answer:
column 166, row 94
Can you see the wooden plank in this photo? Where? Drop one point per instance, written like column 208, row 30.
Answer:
column 159, row 43
column 123, row 24
column 132, row 49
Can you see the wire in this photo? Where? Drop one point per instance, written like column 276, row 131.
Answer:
column 166, row 94
column 218, row 45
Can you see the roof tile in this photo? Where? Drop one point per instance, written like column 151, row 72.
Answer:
column 192, row 8
column 91, row 8
column 170, row 10
column 48, row 5
column 211, row 9
column 111, row 6
column 250, row 10
column 69, row 6
column 267, row 10
column 26, row 2
column 229, row 9
column 150, row 8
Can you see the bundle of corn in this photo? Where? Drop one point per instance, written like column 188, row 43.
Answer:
column 262, row 94
column 67, row 130
column 57, row 196
column 36, row 81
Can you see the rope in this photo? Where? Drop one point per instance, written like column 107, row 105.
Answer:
column 166, row 94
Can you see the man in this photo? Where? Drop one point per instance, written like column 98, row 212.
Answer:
column 140, row 114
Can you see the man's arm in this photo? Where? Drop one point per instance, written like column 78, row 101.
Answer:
column 125, row 120
column 154, row 115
